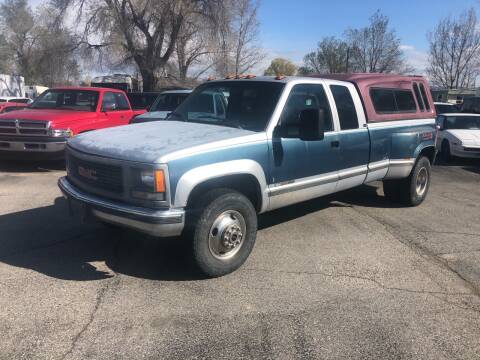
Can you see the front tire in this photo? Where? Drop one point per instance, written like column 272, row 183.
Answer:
column 224, row 232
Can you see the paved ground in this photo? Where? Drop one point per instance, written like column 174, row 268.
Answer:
column 350, row 276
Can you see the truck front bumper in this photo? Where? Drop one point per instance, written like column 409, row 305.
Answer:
column 161, row 223
column 32, row 148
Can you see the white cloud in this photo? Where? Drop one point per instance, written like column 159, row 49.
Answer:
column 416, row 58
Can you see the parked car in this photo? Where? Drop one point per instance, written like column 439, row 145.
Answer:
column 459, row 135
column 41, row 130
column 445, row 108
column 165, row 103
column 279, row 141
column 470, row 105
column 142, row 100
column 11, row 106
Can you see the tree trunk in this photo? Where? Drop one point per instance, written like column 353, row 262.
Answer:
column 149, row 80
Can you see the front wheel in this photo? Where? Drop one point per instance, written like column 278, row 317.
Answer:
column 224, row 232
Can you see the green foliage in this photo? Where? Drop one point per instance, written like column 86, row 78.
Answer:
column 281, row 66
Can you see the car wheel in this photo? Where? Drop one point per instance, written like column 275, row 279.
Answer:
column 224, row 231
column 445, row 151
column 415, row 188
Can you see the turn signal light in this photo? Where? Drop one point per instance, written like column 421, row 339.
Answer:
column 159, row 181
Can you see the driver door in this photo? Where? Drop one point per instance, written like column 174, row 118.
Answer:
column 301, row 169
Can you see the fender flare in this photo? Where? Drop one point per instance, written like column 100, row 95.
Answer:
column 198, row 175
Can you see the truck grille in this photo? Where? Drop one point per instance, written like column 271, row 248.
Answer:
column 23, row 127
column 96, row 175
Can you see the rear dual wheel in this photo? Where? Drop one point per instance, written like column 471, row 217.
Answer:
column 412, row 190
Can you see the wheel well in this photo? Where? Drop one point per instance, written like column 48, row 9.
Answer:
column 429, row 152
column 243, row 183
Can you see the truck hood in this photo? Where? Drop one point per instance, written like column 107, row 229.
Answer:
column 468, row 137
column 57, row 117
column 149, row 142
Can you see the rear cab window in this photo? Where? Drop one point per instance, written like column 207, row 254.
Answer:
column 391, row 101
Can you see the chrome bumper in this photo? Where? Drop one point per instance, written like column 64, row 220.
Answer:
column 161, row 223
column 32, row 146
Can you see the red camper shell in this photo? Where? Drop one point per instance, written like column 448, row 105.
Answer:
column 389, row 97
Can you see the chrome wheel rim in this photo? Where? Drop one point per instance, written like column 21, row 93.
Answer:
column 227, row 235
column 422, row 181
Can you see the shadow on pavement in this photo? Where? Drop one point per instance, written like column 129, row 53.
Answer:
column 23, row 166
column 49, row 241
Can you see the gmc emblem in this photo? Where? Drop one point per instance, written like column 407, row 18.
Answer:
column 87, row 173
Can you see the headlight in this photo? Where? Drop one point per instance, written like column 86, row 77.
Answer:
column 61, row 132
column 150, row 186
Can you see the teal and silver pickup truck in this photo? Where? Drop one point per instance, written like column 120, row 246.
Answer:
column 207, row 171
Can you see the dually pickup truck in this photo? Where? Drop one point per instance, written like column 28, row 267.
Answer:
column 41, row 130
column 280, row 140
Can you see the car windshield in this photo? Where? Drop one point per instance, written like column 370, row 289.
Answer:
column 241, row 104
column 3, row 100
column 77, row 100
column 168, row 102
column 445, row 109
column 463, row 122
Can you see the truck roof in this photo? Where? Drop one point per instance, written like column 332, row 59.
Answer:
column 364, row 82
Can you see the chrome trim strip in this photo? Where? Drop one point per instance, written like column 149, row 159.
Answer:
column 401, row 123
column 356, row 171
column 378, row 165
column 401, row 162
column 305, row 183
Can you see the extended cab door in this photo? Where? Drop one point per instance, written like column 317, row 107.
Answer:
column 301, row 169
column 353, row 137
column 116, row 109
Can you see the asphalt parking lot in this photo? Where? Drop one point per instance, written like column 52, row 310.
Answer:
column 347, row 276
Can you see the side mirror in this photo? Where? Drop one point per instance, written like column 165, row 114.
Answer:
column 312, row 124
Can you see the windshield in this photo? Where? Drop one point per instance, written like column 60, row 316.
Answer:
column 3, row 100
column 446, row 109
column 77, row 100
column 168, row 102
column 463, row 122
column 241, row 104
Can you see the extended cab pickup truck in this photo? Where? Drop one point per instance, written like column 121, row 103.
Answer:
column 280, row 141
column 41, row 130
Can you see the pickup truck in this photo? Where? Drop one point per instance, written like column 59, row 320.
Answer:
column 41, row 130
column 281, row 140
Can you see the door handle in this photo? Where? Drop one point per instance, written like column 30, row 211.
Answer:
column 335, row 143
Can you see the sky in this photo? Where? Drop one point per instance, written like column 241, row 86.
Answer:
column 292, row 28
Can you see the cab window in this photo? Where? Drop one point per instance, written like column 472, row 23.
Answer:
column 305, row 96
column 347, row 114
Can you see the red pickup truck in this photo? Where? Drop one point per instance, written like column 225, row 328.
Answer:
column 42, row 130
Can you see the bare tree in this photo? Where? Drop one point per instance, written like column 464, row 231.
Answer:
column 237, row 44
column 376, row 48
column 192, row 49
column 331, row 56
column 139, row 32
column 454, row 59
